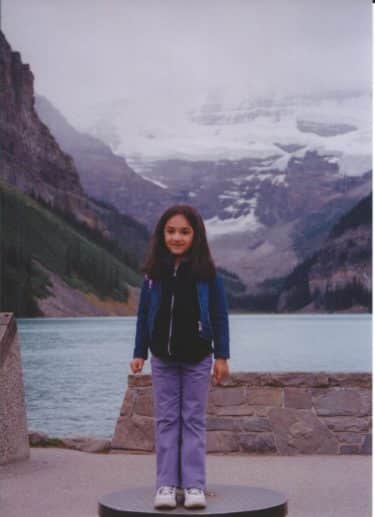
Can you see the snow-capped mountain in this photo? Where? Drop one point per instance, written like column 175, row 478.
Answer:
column 269, row 175
column 337, row 124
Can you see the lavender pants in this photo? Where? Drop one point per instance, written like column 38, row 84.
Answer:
column 180, row 393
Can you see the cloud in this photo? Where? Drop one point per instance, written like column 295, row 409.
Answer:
column 168, row 52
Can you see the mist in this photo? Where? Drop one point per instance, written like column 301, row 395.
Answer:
column 165, row 55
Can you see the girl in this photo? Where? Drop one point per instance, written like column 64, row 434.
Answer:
column 182, row 310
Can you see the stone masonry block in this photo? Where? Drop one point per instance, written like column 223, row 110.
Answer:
column 298, row 398
column 351, row 379
column 349, row 438
column 228, row 396
column 254, row 424
column 214, row 423
column 342, row 401
column 349, row 449
column 243, row 409
column 222, row 441
column 128, row 402
column 298, row 431
column 347, row 423
column 136, row 433
column 144, row 404
column 366, row 447
column 257, row 442
column 264, row 396
column 142, row 379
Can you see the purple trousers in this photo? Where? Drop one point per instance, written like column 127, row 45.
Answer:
column 180, row 393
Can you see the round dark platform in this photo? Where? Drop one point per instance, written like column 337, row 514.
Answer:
column 223, row 500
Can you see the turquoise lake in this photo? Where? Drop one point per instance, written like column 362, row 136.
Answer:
column 75, row 369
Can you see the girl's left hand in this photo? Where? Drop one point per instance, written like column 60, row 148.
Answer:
column 221, row 370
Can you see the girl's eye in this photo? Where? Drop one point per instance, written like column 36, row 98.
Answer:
column 184, row 232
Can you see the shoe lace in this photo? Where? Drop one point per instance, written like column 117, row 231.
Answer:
column 166, row 490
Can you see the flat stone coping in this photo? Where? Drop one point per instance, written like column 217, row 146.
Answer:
column 224, row 500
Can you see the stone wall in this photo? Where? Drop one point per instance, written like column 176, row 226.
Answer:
column 265, row 413
column 14, row 443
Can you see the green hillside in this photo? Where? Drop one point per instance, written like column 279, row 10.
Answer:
column 29, row 230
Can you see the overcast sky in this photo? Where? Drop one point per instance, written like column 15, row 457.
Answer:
column 84, row 52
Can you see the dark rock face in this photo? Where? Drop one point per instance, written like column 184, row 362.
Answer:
column 289, row 148
column 322, row 129
column 30, row 157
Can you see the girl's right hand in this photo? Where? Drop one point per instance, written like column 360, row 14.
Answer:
column 136, row 364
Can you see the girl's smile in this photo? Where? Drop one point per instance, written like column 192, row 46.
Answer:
column 178, row 235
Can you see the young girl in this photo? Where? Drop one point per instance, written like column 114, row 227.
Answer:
column 182, row 310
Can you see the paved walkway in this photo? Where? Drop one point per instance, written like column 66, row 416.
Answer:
column 66, row 483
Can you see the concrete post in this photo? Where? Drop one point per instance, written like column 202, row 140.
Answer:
column 14, row 443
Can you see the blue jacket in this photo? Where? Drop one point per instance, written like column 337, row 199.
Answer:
column 213, row 315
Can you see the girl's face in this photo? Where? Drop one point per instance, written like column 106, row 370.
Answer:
column 178, row 234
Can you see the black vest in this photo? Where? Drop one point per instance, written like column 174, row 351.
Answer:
column 175, row 334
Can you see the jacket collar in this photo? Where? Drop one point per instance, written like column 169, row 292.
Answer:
column 169, row 259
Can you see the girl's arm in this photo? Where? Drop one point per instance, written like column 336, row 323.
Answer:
column 141, row 336
column 219, row 318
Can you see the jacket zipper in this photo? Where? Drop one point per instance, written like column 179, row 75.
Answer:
column 200, row 326
column 171, row 315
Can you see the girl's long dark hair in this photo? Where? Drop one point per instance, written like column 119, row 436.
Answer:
column 155, row 265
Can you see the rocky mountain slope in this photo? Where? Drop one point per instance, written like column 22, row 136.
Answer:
column 51, row 265
column 99, row 245
column 338, row 276
column 104, row 175
column 32, row 160
column 262, row 223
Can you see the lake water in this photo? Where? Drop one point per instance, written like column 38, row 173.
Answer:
column 75, row 369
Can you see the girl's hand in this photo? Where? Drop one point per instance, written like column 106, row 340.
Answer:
column 136, row 364
column 221, row 370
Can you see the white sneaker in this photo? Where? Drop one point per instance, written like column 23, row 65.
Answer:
column 165, row 497
column 194, row 498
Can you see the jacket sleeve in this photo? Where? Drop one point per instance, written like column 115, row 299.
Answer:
column 219, row 318
column 141, row 336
